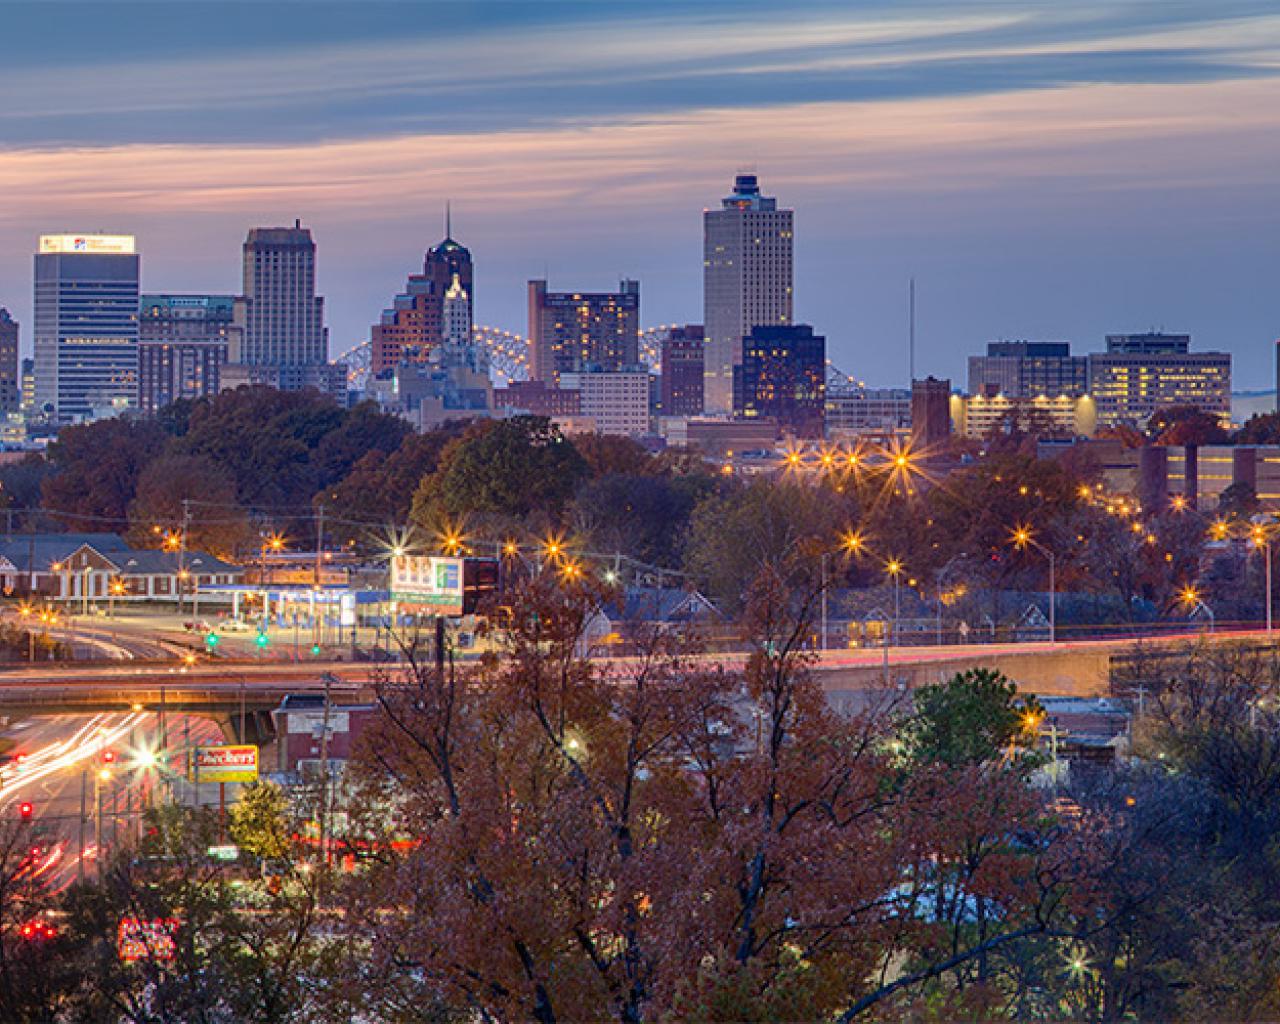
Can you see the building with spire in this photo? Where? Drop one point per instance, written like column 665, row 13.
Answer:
column 746, row 280
column 415, row 325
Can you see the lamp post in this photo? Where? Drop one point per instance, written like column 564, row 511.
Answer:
column 894, row 568
column 1023, row 539
column 1262, row 541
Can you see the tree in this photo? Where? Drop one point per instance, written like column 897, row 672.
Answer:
column 363, row 430
column 976, row 717
column 217, row 523
column 1260, row 428
column 95, row 471
column 505, row 469
column 611, row 455
column 21, row 481
column 643, row 517
column 1185, row 425
column 260, row 822
column 666, row 840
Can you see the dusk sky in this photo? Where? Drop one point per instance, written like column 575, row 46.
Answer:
column 1044, row 170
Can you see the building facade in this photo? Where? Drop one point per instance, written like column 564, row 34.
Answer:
column 1029, row 369
column 10, row 381
column 682, row 366
column 930, row 413
column 282, row 340
column 415, row 324
column 783, row 377
column 574, row 331
column 617, row 401
column 982, row 415
column 747, row 280
column 183, row 341
column 86, row 326
column 1141, row 373
column 862, row 410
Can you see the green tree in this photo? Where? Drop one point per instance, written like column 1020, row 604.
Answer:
column 504, row 469
column 260, row 821
column 972, row 718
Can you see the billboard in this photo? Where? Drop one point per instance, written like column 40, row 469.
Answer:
column 225, row 764
column 426, row 584
column 147, row 940
column 94, row 244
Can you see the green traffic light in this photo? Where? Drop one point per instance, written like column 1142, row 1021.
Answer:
column 212, row 640
column 315, row 649
column 262, row 640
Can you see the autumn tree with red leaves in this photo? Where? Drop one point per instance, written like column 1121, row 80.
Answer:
column 551, row 838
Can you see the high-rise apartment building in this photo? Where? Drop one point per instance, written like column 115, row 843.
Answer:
column 10, row 383
column 616, row 401
column 415, row 326
column 86, row 326
column 183, row 342
column 1141, row 373
column 574, row 331
column 282, row 340
column 1029, row 369
column 682, row 366
column 783, row 376
column 746, row 280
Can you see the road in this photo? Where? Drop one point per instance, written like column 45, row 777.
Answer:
column 68, row 766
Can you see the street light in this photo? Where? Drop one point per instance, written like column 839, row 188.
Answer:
column 1190, row 596
column 1262, row 539
column 1023, row 539
column 894, row 568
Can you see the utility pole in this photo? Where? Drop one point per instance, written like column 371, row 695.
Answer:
column 324, row 774
column 911, row 330
column 182, row 549
column 317, row 612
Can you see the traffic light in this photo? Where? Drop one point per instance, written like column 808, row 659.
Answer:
column 26, row 810
column 315, row 650
column 262, row 640
column 108, row 757
column 211, row 640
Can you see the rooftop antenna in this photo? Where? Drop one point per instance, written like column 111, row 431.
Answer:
column 911, row 329
column 448, row 219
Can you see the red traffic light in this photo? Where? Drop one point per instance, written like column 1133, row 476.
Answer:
column 108, row 757
column 25, row 810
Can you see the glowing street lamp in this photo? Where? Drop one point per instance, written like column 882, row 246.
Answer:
column 894, row 568
column 1190, row 597
column 1262, row 541
column 1023, row 538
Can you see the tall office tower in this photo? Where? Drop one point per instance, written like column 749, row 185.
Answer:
column 682, row 371
column 182, row 345
column 457, row 315
column 783, row 376
column 86, row 326
column 282, row 341
column 1140, row 373
column 746, row 280
column 930, row 413
column 10, row 383
column 574, row 331
column 415, row 325
column 1029, row 369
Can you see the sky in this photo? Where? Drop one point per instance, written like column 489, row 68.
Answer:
column 1043, row 170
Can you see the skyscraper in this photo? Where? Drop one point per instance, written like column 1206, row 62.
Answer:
column 283, row 341
column 783, row 376
column 574, row 331
column 182, row 345
column 414, row 325
column 86, row 326
column 746, row 280
column 10, row 385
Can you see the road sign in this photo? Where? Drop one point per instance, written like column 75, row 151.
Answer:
column 225, row 764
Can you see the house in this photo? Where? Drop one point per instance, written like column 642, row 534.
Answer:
column 623, row 620
column 88, row 567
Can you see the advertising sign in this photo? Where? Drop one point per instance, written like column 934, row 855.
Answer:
column 427, row 585
column 225, row 764
column 147, row 940
column 113, row 244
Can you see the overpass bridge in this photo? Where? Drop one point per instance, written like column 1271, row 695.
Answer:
column 240, row 696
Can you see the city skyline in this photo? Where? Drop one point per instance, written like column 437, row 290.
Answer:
column 1040, row 174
